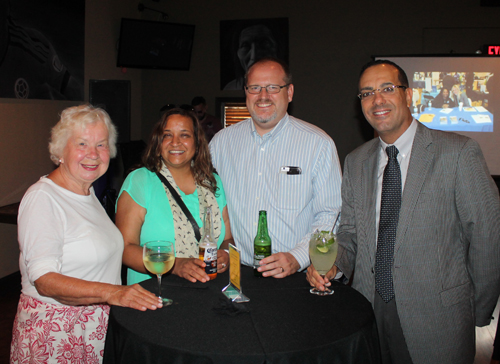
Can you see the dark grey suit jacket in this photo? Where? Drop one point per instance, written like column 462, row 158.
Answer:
column 447, row 254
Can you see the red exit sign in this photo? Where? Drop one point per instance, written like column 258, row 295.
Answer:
column 492, row 50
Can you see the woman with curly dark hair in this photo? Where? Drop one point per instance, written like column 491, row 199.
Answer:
column 176, row 161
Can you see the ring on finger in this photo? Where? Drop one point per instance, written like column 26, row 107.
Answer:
column 223, row 265
column 282, row 269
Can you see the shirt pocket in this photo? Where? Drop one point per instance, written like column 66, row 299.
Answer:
column 293, row 191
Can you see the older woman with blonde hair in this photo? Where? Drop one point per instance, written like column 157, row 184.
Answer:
column 71, row 251
column 176, row 165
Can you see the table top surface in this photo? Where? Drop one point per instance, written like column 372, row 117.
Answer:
column 281, row 317
column 452, row 119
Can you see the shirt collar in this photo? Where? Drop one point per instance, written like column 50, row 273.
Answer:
column 275, row 131
column 405, row 141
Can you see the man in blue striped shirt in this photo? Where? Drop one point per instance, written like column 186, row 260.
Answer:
column 280, row 164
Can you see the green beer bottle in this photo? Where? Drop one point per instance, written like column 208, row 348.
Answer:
column 261, row 243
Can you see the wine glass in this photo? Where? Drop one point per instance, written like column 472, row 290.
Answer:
column 159, row 257
column 323, row 248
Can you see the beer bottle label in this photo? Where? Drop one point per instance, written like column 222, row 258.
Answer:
column 210, row 254
column 210, row 259
column 257, row 258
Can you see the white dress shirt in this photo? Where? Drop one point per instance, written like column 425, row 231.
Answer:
column 404, row 145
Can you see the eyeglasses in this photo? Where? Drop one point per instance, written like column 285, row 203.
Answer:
column 386, row 91
column 271, row 89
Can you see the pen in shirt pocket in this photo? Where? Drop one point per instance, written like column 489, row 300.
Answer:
column 290, row 170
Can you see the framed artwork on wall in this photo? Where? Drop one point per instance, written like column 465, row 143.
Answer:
column 42, row 57
column 242, row 42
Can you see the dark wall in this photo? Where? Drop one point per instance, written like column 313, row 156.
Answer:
column 329, row 42
column 25, row 124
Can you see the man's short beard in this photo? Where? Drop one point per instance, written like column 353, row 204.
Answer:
column 265, row 120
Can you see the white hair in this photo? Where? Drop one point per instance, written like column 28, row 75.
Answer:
column 79, row 116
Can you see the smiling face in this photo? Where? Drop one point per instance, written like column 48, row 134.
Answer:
column 85, row 157
column 179, row 145
column 268, row 109
column 389, row 115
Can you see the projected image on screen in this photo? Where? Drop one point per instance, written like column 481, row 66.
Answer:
column 452, row 101
column 469, row 106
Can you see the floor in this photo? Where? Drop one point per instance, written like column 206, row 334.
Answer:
column 10, row 287
column 484, row 339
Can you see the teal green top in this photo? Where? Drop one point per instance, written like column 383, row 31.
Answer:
column 147, row 191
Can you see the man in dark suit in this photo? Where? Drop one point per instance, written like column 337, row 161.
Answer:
column 436, row 275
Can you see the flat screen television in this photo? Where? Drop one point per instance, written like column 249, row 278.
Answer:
column 473, row 84
column 156, row 45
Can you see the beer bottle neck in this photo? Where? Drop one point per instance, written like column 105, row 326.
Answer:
column 207, row 224
column 262, row 228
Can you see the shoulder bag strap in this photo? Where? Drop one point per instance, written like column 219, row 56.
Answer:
column 182, row 205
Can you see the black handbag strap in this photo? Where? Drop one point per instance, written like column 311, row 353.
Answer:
column 182, row 205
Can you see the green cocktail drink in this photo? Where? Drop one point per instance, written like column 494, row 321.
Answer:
column 323, row 249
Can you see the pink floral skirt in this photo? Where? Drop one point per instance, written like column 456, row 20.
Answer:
column 49, row 333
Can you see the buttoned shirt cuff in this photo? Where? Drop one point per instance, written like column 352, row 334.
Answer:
column 340, row 277
column 302, row 259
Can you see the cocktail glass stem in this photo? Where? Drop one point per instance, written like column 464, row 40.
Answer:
column 159, row 285
column 166, row 301
column 326, row 292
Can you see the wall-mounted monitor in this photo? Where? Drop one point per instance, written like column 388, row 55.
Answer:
column 457, row 93
column 156, row 45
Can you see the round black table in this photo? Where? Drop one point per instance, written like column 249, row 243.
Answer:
column 282, row 323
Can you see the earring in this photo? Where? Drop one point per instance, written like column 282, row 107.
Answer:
column 60, row 160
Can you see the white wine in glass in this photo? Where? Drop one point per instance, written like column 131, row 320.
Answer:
column 323, row 249
column 159, row 257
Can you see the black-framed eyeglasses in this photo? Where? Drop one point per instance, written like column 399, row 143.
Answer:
column 271, row 89
column 385, row 91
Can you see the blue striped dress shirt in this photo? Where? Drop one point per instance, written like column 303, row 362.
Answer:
column 296, row 204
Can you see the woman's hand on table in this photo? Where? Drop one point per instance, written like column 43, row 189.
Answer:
column 315, row 279
column 76, row 292
column 134, row 297
column 222, row 261
column 192, row 269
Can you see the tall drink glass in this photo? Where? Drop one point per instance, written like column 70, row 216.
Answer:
column 323, row 248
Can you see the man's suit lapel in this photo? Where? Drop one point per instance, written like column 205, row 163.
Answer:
column 421, row 159
column 369, row 193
